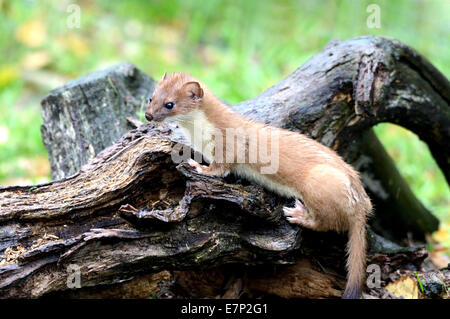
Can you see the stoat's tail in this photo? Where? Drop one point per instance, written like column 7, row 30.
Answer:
column 356, row 262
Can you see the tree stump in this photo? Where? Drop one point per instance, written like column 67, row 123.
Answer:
column 86, row 115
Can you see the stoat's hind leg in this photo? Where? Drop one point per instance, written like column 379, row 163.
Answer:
column 300, row 215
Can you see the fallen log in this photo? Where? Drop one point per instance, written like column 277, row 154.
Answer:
column 131, row 210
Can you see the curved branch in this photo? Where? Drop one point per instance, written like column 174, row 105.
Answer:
column 351, row 86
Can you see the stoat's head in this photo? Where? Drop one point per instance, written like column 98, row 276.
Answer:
column 177, row 94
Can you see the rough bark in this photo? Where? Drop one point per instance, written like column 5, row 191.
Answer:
column 131, row 210
column 88, row 114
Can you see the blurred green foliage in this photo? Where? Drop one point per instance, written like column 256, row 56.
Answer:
column 239, row 48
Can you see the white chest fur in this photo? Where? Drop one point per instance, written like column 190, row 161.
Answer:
column 196, row 127
column 199, row 131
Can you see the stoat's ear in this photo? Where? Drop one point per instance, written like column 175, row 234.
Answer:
column 193, row 89
column 164, row 76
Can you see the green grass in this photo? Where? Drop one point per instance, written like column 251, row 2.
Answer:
column 415, row 163
column 239, row 48
column 24, row 136
column 420, row 282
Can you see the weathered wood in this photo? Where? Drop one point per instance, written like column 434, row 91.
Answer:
column 132, row 210
column 86, row 115
column 83, row 212
column 183, row 220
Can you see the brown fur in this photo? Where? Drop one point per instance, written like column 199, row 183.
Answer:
column 330, row 188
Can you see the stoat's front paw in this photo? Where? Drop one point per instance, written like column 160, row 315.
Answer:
column 198, row 167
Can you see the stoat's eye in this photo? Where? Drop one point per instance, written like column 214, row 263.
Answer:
column 169, row 105
column 149, row 100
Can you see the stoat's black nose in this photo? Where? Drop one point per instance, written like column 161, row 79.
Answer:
column 149, row 117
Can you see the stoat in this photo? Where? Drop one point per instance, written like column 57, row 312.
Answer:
column 299, row 167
